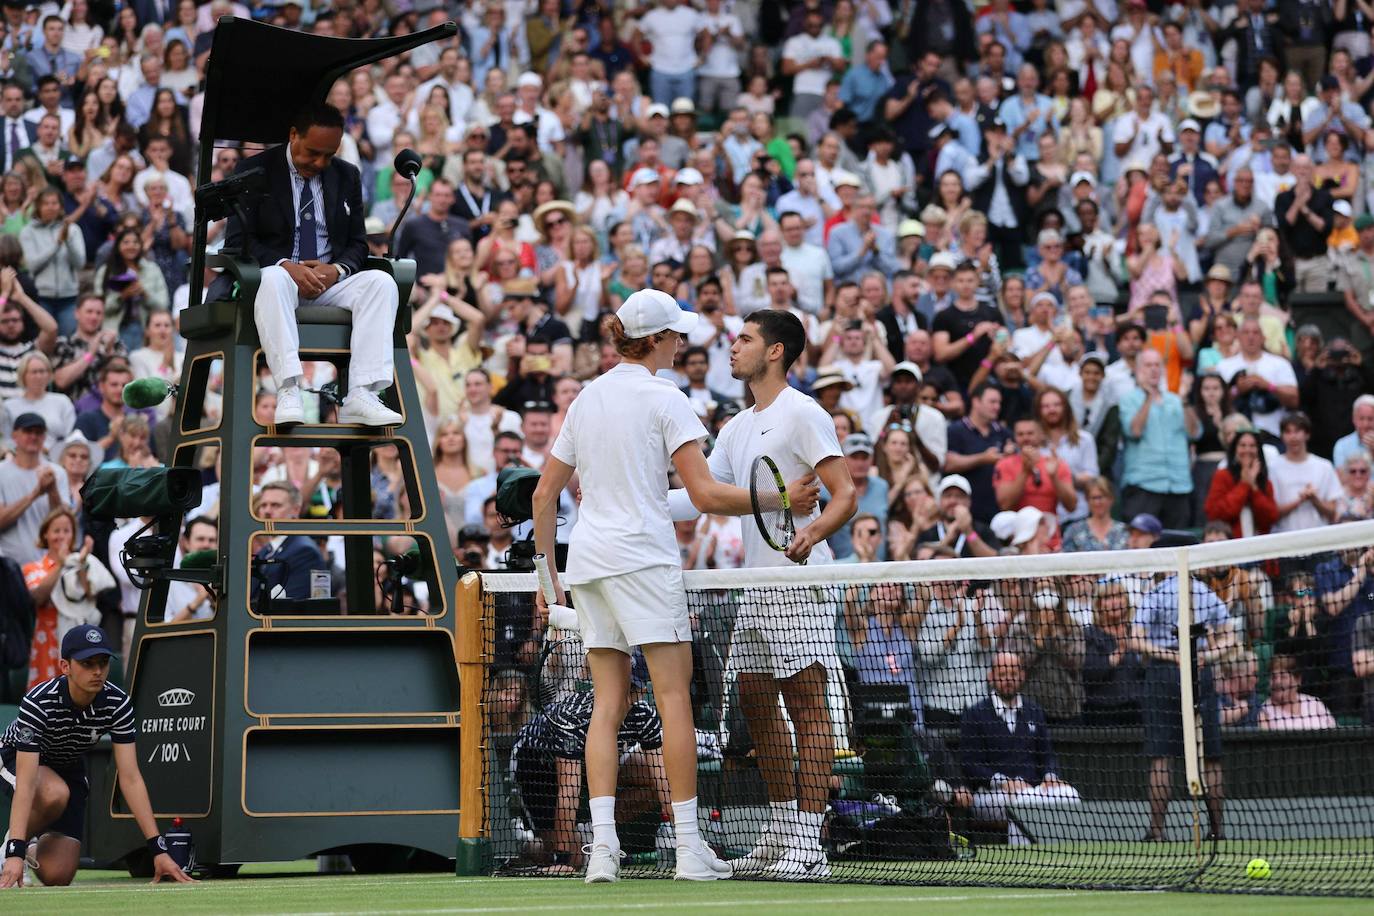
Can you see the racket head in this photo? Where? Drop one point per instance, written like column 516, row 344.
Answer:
column 772, row 508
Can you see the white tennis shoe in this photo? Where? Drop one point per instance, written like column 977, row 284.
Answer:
column 364, row 408
column 799, row 865
column 700, row 863
column 290, row 410
column 603, row 864
column 765, row 853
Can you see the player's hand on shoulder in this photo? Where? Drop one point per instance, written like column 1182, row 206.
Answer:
column 803, row 493
column 164, row 867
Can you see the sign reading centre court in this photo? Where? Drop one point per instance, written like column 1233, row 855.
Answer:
column 174, row 707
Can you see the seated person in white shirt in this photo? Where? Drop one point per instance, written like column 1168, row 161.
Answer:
column 187, row 600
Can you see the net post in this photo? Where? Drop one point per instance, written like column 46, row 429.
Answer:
column 474, row 846
column 1192, row 720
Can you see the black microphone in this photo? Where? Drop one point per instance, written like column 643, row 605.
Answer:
column 407, row 165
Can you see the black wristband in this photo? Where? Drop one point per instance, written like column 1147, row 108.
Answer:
column 16, row 849
column 157, row 846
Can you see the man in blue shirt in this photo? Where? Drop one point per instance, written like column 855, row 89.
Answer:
column 864, row 86
column 1027, row 114
column 1156, row 630
column 1157, row 474
column 1332, row 115
column 51, row 59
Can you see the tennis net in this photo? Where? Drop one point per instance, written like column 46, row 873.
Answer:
column 1009, row 721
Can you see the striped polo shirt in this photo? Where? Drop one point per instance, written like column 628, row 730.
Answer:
column 61, row 732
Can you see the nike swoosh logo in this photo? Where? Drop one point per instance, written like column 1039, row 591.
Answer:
column 766, row 431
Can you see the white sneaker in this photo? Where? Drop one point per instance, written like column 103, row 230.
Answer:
column 289, row 407
column 764, row 854
column 799, row 865
column 366, row 409
column 603, row 864
column 699, row 863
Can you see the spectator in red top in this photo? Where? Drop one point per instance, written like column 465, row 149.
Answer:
column 1241, row 494
column 1033, row 475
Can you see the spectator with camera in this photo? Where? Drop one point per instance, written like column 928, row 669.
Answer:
column 1263, row 385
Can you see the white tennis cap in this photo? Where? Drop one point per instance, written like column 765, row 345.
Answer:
column 650, row 311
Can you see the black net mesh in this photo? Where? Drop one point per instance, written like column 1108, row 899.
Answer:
column 1010, row 722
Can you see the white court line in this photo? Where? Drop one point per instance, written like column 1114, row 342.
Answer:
column 253, row 885
column 718, row 904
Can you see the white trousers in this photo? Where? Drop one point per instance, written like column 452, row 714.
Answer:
column 991, row 805
column 369, row 294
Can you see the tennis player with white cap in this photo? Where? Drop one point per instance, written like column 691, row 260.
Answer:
column 620, row 436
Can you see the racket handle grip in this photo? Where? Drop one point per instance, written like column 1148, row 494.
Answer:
column 541, row 569
column 563, row 617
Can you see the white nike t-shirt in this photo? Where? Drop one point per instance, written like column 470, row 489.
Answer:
column 797, row 434
column 621, row 434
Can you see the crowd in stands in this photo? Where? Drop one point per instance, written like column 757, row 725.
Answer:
column 1050, row 258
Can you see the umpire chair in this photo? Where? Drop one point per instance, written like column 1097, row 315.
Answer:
column 286, row 729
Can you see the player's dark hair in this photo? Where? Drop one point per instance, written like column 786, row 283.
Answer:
column 966, row 267
column 509, row 434
column 776, row 326
column 694, row 351
column 317, row 114
column 779, row 270
column 982, row 389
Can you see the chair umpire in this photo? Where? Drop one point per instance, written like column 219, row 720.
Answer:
column 307, row 236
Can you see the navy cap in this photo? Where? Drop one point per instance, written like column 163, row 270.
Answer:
column 30, row 420
column 1147, row 523
column 86, row 641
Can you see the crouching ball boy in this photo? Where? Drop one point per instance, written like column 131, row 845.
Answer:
column 43, row 766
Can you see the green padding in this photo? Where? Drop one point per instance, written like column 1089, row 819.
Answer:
column 474, row 857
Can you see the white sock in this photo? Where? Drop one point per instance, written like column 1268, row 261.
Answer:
column 784, row 818
column 358, row 391
column 603, row 822
column 685, row 822
column 809, row 829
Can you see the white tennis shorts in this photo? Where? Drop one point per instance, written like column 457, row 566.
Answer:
column 633, row 609
column 787, row 632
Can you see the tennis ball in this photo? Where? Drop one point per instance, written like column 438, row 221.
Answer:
column 1258, row 868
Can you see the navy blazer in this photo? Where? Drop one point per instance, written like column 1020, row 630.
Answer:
column 297, row 556
column 273, row 220
column 986, row 747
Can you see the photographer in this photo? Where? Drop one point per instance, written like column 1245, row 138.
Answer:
column 931, row 431
column 473, row 541
column 1329, row 396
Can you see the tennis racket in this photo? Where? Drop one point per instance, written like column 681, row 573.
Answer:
column 772, row 508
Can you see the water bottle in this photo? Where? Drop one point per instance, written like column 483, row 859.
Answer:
column 179, row 845
column 715, row 832
column 665, row 844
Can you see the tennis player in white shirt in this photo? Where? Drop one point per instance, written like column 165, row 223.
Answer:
column 621, row 435
column 786, row 648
